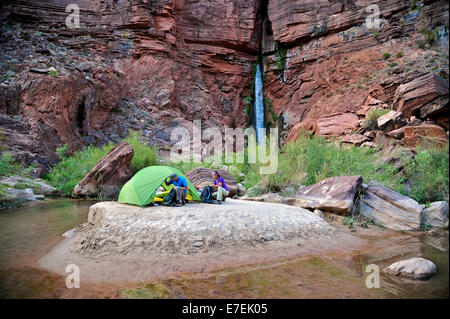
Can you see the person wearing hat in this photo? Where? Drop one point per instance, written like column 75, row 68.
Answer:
column 181, row 186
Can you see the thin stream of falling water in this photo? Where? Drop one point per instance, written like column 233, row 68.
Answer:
column 258, row 109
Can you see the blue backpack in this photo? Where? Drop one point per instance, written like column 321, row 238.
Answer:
column 206, row 196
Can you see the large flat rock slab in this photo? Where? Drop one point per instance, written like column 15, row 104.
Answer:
column 121, row 229
column 123, row 243
column 390, row 208
column 334, row 194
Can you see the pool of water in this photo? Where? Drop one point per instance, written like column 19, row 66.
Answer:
column 28, row 233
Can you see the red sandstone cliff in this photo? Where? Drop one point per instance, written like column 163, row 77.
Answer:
column 152, row 65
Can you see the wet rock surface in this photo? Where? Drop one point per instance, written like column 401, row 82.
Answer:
column 436, row 215
column 20, row 191
column 415, row 268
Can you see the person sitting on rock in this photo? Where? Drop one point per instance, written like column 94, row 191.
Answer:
column 181, row 187
column 219, row 185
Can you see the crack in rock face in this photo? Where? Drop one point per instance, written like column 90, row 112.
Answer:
column 118, row 229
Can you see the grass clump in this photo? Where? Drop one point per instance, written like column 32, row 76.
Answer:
column 8, row 166
column 281, row 57
column 371, row 121
column 311, row 159
column 317, row 159
column 53, row 73
column 428, row 174
column 72, row 169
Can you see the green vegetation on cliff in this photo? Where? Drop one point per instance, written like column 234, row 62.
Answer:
column 304, row 162
column 311, row 159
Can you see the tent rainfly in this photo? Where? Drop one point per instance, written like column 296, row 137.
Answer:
column 141, row 189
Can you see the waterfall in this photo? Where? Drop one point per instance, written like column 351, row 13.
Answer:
column 258, row 108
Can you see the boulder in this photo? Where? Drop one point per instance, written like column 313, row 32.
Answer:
column 241, row 189
column 22, row 194
column 424, row 134
column 308, row 127
column 201, row 177
column 390, row 121
column 368, row 144
column 436, row 215
column 398, row 133
column 337, row 124
column 334, row 194
column 118, row 229
column 415, row 268
column 356, row 139
column 384, row 140
column 108, row 175
column 423, row 96
column 39, row 186
column 391, row 209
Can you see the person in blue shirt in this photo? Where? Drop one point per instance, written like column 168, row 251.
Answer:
column 178, row 181
column 181, row 187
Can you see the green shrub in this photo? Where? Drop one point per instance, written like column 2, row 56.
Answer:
column 386, row 55
column 428, row 174
column 53, row 73
column 9, row 167
column 72, row 169
column 281, row 57
column 311, row 159
column 399, row 54
column 144, row 155
column 431, row 35
column 62, row 151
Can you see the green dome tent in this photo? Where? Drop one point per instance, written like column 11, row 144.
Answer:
column 141, row 189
